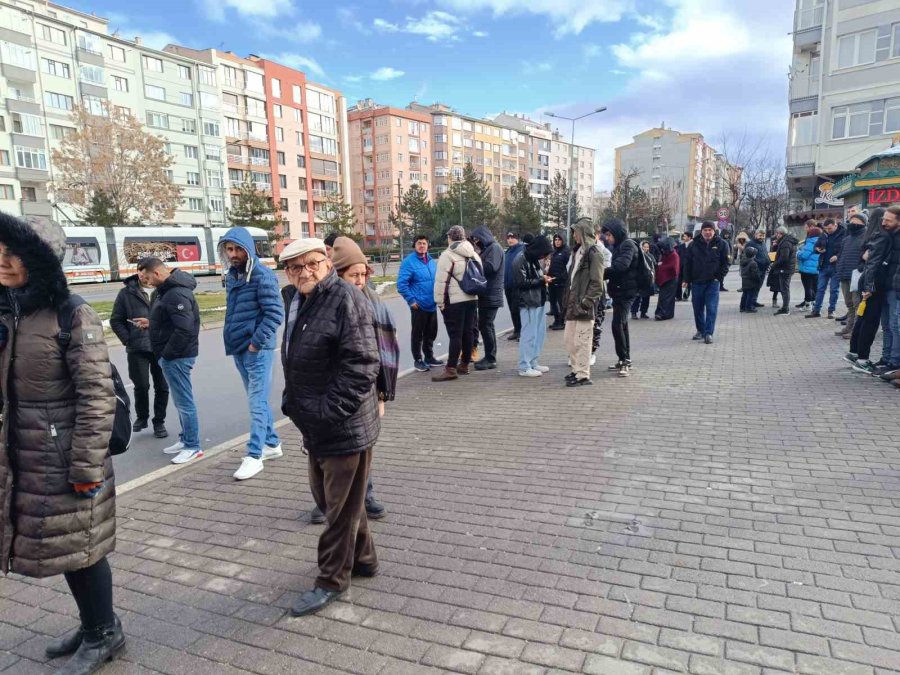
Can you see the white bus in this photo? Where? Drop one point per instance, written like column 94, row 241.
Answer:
column 98, row 254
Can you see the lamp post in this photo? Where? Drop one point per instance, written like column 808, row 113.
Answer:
column 572, row 162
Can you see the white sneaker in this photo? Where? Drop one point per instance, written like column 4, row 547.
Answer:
column 569, row 362
column 250, row 466
column 541, row 369
column 187, row 455
column 593, row 359
column 272, row 453
column 174, row 449
column 531, row 372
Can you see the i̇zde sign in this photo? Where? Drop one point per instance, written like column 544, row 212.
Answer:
column 884, row 196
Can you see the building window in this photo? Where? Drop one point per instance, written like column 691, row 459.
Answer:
column 58, row 101
column 94, row 105
column 186, row 98
column 119, row 83
column 31, row 158
column 279, row 134
column 857, row 49
column 190, row 151
column 207, row 76
column 56, row 68
column 325, row 146
column 30, row 125
column 7, row 192
column 301, row 162
column 154, row 92
column 804, row 128
column 210, row 128
column 216, row 204
column 209, row 101
column 157, row 120
column 184, row 72
column 92, row 74
column 152, row 64
column 193, row 178
column 195, row 204
column 850, row 121
column 892, row 116
column 214, row 178
column 895, row 50
column 188, row 126
column 282, row 160
column 295, row 91
column 276, row 110
column 213, row 152
column 29, row 194
column 276, row 87
column 282, row 180
column 283, row 204
column 52, row 34
column 116, row 53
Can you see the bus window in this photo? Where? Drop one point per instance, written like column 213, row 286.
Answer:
column 263, row 247
column 174, row 250
column 81, row 251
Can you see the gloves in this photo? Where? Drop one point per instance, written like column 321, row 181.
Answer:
column 87, row 490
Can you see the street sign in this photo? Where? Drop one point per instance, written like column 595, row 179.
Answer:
column 723, row 214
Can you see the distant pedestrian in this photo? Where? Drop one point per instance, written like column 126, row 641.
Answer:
column 848, row 262
column 705, row 269
column 559, row 263
column 489, row 302
column 667, row 273
column 129, row 321
column 784, row 266
column 641, row 302
column 829, row 247
column 57, row 491
column 253, row 314
column 532, row 281
column 725, row 238
column 762, row 256
column 513, row 248
column 808, row 261
column 682, row 293
column 622, row 287
column 415, row 283
column 603, row 302
column 175, row 338
column 751, row 280
column 585, row 288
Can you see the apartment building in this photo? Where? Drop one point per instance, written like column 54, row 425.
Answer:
column 389, row 153
column 53, row 58
column 679, row 168
column 844, row 96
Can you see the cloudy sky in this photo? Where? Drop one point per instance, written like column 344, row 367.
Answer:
column 713, row 66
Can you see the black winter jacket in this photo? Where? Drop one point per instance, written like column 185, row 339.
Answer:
column 706, row 261
column 175, row 318
column 131, row 303
column 622, row 273
column 876, row 277
column 331, row 363
column 785, row 256
column 893, row 258
column 751, row 277
column 559, row 264
column 851, row 252
column 492, row 264
column 833, row 245
column 762, row 255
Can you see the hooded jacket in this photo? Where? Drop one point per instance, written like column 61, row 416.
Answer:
column 509, row 281
column 529, row 275
column 785, row 255
column 559, row 265
column 833, row 243
column 807, row 255
column 762, row 254
column 586, row 276
column 450, row 269
column 669, row 266
column 706, row 261
column 492, row 266
column 131, row 303
column 851, row 251
column 415, row 281
column 58, row 409
column 622, row 272
column 175, row 318
column 751, row 277
column 253, row 309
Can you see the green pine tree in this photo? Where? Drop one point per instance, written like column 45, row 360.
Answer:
column 254, row 208
column 476, row 204
column 416, row 215
column 555, row 208
column 101, row 211
column 520, row 211
column 339, row 218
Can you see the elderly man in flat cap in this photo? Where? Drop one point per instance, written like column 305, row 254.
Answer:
column 330, row 359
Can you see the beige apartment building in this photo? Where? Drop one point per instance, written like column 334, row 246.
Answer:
column 389, row 154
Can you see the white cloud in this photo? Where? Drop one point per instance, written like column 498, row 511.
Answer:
column 298, row 61
column 349, row 19
column 302, row 32
column 591, row 51
column 353, row 79
column 436, row 26
column 386, row 73
column 385, row 26
column 567, row 16
column 269, row 9
column 480, row 34
column 155, row 39
column 529, row 67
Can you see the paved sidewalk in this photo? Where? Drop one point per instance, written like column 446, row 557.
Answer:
column 730, row 509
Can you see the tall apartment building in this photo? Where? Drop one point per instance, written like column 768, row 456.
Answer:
column 844, row 95
column 681, row 168
column 389, row 153
column 53, row 58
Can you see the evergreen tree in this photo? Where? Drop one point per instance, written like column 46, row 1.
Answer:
column 254, row 208
column 477, row 207
column 628, row 202
column 415, row 215
column 555, row 208
column 339, row 218
column 101, row 211
column 520, row 211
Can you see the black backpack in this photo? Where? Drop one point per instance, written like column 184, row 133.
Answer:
column 120, row 439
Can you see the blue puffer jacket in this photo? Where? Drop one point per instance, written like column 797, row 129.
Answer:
column 415, row 281
column 254, row 310
column 809, row 257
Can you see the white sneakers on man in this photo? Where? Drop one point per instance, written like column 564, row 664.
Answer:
column 593, row 359
column 187, row 455
column 542, row 369
column 531, row 372
column 272, row 453
column 174, row 449
column 250, row 466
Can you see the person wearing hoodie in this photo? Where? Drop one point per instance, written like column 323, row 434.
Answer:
column 622, row 286
column 682, row 293
column 528, row 270
column 783, row 267
column 415, row 283
column 489, row 302
column 762, row 256
column 829, row 248
column 253, row 314
column 457, row 306
column 705, row 269
column 606, row 253
column 751, row 279
column 848, row 261
column 584, row 289
column 131, row 307
column 174, row 327
column 808, row 259
column 559, row 262
column 513, row 248
column 667, row 273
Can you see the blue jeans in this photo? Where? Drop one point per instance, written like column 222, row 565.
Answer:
column 531, row 338
column 178, row 375
column 748, row 299
column 890, row 323
column 705, row 298
column 828, row 274
column 256, row 372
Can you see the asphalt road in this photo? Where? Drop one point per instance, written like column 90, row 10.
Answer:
column 220, row 398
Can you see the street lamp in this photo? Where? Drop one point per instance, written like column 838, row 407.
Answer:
column 572, row 161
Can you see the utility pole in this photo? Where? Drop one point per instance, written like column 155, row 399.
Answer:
column 460, row 200
column 400, row 215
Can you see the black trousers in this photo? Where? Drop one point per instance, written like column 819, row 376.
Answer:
column 557, row 296
column 92, row 589
column 665, row 303
column 486, row 317
column 621, row 308
column 141, row 367
column 459, row 320
column 810, row 283
column 866, row 327
column 512, row 301
column 424, row 333
column 598, row 324
column 784, row 287
column 475, row 322
column 640, row 304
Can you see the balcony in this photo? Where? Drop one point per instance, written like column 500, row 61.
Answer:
column 801, row 161
column 265, row 187
column 323, row 194
column 804, row 87
column 259, row 161
column 808, row 31
column 238, row 159
column 236, row 184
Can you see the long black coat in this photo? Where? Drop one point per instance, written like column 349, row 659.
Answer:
column 492, row 264
column 331, row 364
column 131, row 303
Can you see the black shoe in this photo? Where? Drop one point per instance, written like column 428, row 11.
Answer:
column 97, row 647
column 813, row 315
column 549, row 314
column 644, row 316
column 66, row 645
column 139, row 425
column 723, row 290
column 697, row 336
column 850, row 357
column 375, row 509
column 571, row 376
column 634, row 316
column 841, row 318
column 579, row 383
column 314, row 600
column 557, row 326
column 617, row 366
column 707, row 339
column 360, row 570
column 802, row 305
column 782, row 311
column 830, row 314
column 514, row 336
column 316, row 517
column 485, row 364
column 759, row 304
column 752, row 310
column 421, row 366
column 432, row 362
column 159, row 430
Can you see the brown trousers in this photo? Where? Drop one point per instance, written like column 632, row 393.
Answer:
column 338, row 486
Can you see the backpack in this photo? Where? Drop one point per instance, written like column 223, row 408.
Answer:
column 120, row 440
column 473, row 281
column 646, row 270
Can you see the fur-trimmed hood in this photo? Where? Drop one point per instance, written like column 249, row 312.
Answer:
column 41, row 244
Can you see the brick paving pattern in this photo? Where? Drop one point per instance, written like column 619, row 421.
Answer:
column 730, row 509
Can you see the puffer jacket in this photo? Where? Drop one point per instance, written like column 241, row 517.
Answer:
column 331, row 364
column 509, row 280
column 415, row 281
column 762, row 254
column 706, row 262
column 751, row 277
column 808, row 257
column 492, row 266
column 851, row 252
column 832, row 243
column 529, row 274
column 622, row 273
column 58, row 409
column 454, row 260
column 175, row 318
column 893, row 261
column 131, row 303
column 253, row 309
column 559, row 266
column 785, row 256
column 586, row 285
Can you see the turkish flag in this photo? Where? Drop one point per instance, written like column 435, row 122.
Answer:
column 187, row 253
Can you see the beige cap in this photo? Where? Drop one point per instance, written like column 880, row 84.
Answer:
column 301, row 246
